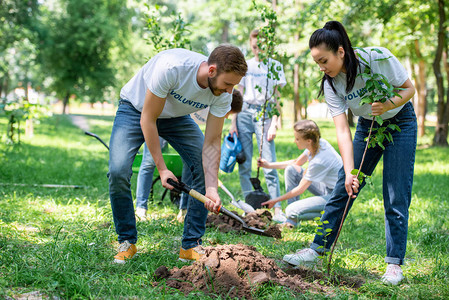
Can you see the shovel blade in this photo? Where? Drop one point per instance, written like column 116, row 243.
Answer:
column 231, row 215
column 256, row 184
column 256, row 198
column 245, row 226
column 257, row 231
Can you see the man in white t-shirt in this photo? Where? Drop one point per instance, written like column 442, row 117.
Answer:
column 158, row 101
column 146, row 170
column 256, row 87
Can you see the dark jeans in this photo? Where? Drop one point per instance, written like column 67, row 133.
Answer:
column 399, row 160
column 184, row 135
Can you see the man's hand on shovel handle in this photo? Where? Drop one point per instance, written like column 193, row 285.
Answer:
column 214, row 202
column 165, row 175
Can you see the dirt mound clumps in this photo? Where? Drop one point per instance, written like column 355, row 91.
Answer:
column 231, row 271
column 260, row 219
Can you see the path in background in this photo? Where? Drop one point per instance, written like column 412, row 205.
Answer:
column 80, row 121
column 100, row 109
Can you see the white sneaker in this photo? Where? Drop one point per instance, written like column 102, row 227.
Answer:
column 301, row 257
column 141, row 214
column 393, row 275
column 280, row 218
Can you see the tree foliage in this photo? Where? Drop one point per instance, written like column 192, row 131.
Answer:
column 76, row 47
column 85, row 48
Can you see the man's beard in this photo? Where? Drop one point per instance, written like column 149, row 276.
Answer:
column 212, row 82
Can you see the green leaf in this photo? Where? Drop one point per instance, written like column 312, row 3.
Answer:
column 379, row 120
column 364, row 75
column 362, row 58
column 396, row 94
column 360, row 49
column 381, row 59
column 366, row 100
column 369, row 85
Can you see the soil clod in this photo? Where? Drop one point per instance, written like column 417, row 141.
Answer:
column 232, row 271
column 260, row 219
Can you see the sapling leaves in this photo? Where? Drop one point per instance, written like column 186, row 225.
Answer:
column 266, row 41
column 361, row 177
column 381, row 59
column 378, row 89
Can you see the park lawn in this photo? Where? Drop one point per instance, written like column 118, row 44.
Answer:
column 60, row 241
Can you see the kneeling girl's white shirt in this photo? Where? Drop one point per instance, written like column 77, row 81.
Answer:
column 324, row 166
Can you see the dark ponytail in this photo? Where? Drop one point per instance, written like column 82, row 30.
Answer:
column 333, row 35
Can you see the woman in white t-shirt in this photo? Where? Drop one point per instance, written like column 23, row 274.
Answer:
column 343, row 88
column 319, row 178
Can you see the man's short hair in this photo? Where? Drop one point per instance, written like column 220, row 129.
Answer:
column 237, row 101
column 228, row 58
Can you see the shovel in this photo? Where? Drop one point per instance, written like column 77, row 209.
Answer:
column 258, row 196
column 182, row 187
column 239, row 204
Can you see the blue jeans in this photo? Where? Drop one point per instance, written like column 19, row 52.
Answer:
column 247, row 125
column 309, row 208
column 399, row 160
column 184, row 135
column 145, row 178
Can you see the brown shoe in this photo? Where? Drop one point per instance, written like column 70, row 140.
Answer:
column 126, row 251
column 192, row 254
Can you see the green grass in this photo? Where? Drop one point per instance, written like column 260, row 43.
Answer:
column 61, row 241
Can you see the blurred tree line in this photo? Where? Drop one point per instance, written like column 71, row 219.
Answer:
column 87, row 49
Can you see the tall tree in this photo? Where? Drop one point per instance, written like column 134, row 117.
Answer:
column 77, row 39
column 16, row 19
column 409, row 33
column 441, row 128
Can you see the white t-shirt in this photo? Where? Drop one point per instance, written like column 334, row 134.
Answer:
column 338, row 102
column 257, row 76
column 200, row 117
column 324, row 166
column 172, row 74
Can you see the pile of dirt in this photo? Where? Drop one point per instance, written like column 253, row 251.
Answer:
column 232, row 271
column 260, row 219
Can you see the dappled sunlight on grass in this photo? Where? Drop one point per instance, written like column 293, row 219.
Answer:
column 62, row 240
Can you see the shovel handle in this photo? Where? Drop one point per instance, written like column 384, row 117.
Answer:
column 200, row 197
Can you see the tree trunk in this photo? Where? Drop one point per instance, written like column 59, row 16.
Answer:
column 446, row 105
column 296, row 104
column 65, row 104
column 296, row 101
column 26, row 91
column 6, row 85
column 305, row 102
column 225, row 32
column 440, row 137
column 350, row 118
column 421, row 89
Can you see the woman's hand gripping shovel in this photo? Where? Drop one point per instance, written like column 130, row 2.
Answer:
column 182, row 187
